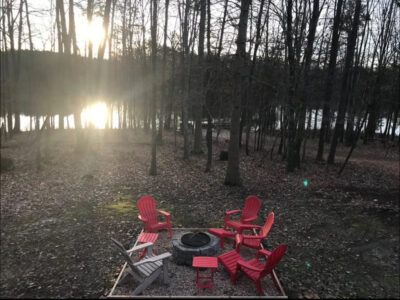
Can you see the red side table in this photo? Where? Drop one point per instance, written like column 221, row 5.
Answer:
column 146, row 237
column 205, row 262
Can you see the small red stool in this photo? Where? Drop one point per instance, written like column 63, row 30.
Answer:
column 205, row 262
column 222, row 234
column 146, row 237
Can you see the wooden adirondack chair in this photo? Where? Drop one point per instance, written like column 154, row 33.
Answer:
column 254, row 241
column 249, row 214
column 229, row 260
column 149, row 215
column 255, row 270
column 148, row 269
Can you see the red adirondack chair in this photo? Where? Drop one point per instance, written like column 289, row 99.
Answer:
column 229, row 260
column 249, row 214
column 149, row 215
column 254, row 241
column 255, row 270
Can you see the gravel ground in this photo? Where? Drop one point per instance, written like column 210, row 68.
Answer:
column 183, row 278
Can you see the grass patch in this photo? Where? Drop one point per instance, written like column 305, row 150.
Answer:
column 124, row 207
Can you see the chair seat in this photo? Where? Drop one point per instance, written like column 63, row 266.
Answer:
column 146, row 237
column 253, row 274
column 229, row 261
column 157, row 226
column 145, row 270
column 252, row 243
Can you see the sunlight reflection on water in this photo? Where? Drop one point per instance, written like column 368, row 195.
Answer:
column 95, row 116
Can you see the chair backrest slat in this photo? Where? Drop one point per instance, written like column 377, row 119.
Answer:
column 124, row 253
column 267, row 226
column 274, row 259
column 251, row 207
column 147, row 208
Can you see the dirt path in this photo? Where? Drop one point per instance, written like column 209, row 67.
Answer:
column 56, row 224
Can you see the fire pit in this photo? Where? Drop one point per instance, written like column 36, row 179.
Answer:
column 185, row 245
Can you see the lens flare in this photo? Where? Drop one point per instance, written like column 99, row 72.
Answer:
column 95, row 115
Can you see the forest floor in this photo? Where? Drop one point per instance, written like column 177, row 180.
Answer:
column 56, row 223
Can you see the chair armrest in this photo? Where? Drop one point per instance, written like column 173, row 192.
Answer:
column 264, row 252
column 154, row 258
column 252, row 237
column 250, row 219
column 232, row 212
column 136, row 248
column 164, row 213
column 238, row 239
column 248, row 266
column 141, row 218
column 250, row 226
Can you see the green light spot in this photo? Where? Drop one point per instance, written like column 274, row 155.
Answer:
column 305, row 183
column 308, row 265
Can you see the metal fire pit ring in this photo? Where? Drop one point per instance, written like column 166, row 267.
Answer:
column 183, row 254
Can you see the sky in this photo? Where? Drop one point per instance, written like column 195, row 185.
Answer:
column 42, row 18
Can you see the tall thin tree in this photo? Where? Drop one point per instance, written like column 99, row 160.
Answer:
column 233, row 171
column 329, row 79
column 153, row 166
column 344, row 94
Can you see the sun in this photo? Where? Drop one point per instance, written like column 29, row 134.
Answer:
column 95, row 115
column 95, row 32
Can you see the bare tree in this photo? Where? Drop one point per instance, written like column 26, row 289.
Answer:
column 163, row 80
column 185, row 65
column 153, row 167
column 329, row 79
column 89, row 12
column 344, row 94
column 233, row 172
column 106, row 21
column 200, row 100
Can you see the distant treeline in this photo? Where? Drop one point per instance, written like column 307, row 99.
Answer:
column 48, row 83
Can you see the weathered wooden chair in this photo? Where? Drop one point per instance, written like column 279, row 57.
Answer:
column 147, row 270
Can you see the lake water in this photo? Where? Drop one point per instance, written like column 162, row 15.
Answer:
column 69, row 122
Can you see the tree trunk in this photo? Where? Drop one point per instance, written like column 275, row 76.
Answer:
column 307, row 84
column 106, row 20
column 185, row 65
column 383, row 43
column 233, row 173
column 89, row 13
column 72, row 32
column 207, row 91
column 250, row 93
column 351, row 44
column 153, row 167
column 164, row 84
column 329, row 80
column 291, row 154
column 200, row 101
column 64, row 33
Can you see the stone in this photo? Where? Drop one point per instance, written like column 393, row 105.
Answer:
column 183, row 255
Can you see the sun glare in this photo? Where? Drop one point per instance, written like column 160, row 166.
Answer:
column 95, row 115
column 94, row 32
